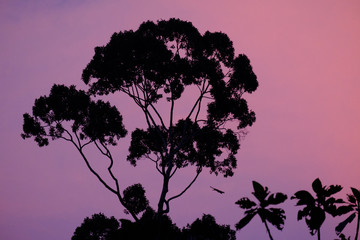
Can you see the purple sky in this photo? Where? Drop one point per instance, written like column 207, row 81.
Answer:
column 306, row 55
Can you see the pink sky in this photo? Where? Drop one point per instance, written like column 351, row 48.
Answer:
column 306, row 55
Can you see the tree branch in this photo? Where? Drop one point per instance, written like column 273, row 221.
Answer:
column 70, row 139
column 155, row 161
column 93, row 171
column 202, row 95
column 159, row 116
column 203, row 91
column 77, row 138
column 191, row 183
column 90, row 141
column 172, row 174
column 102, row 152
column 108, row 154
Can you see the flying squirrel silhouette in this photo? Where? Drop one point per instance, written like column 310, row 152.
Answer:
column 217, row 190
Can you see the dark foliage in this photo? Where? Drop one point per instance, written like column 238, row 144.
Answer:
column 88, row 119
column 274, row 216
column 206, row 228
column 353, row 205
column 156, row 63
column 135, row 199
column 151, row 226
column 159, row 60
column 315, row 208
column 97, row 227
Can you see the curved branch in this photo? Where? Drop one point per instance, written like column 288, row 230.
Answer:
column 203, row 91
column 158, row 169
column 191, row 183
column 108, row 154
column 155, row 161
column 90, row 141
column 77, row 138
column 172, row 174
column 93, row 171
column 102, row 152
column 68, row 139
column 136, row 98
column 148, row 116
column 198, row 111
column 159, row 116
column 193, row 108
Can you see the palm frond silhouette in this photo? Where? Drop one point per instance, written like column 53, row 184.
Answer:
column 275, row 216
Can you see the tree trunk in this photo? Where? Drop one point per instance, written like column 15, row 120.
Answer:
column 357, row 226
column 162, row 199
column 268, row 230
column 318, row 233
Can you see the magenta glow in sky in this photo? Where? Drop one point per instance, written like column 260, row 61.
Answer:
column 306, row 55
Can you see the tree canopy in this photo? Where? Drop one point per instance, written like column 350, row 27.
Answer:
column 151, row 226
column 157, row 63
column 97, row 227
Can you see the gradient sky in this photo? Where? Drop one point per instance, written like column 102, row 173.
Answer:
column 306, row 55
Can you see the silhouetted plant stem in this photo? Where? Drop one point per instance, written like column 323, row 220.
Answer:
column 165, row 189
column 358, row 223
column 268, row 230
column 318, row 233
column 117, row 191
column 191, row 183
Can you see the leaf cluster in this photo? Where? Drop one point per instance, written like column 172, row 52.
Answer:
column 207, row 228
column 97, row 227
column 135, row 199
column 315, row 208
column 275, row 216
column 66, row 105
column 199, row 146
column 353, row 205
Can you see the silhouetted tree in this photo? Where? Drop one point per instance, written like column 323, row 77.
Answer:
column 135, row 199
column 352, row 206
column 316, row 208
column 274, row 216
column 206, row 228
column 150, row 226
column 155, row 65
column 98, row 227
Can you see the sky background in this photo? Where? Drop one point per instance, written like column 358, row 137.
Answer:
column 306, row 55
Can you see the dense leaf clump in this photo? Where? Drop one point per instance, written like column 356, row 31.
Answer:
column 66, row 105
